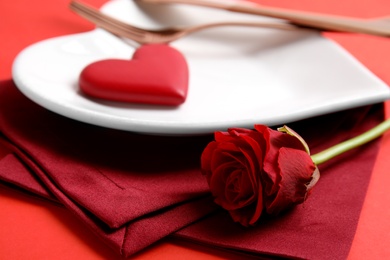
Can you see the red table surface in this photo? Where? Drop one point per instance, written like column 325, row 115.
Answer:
column 34, row 229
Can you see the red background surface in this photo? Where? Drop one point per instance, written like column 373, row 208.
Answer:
column 34, row 229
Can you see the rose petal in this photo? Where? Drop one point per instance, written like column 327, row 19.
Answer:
column 231, row 187
column 243, row 215
column 276, row 141
column 206, row 157
column 259, row 207
column 239, row 190
column 296, row 170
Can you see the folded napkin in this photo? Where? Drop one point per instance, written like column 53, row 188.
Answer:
column 133, row 189
column 130, row 189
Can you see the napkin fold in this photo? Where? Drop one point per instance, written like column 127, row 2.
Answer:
column 133, row 189
column 130, row 189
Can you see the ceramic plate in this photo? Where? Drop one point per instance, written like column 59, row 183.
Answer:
column 238, row 76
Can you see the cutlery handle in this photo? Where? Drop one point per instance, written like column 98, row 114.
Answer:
column 313, row 20
column 317, row 21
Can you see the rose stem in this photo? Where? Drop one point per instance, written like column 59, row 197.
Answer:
column 340, row 148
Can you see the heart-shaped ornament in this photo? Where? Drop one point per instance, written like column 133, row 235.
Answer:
column 156, row 74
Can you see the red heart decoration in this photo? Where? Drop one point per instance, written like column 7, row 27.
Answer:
column 157, row 74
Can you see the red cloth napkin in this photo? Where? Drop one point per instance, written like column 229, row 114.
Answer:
column 134, row 189
column 129, row 188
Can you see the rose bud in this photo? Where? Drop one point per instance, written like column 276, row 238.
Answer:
column 251, row 172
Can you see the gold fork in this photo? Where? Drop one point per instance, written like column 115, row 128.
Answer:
column 378, row 27
column 144, row 36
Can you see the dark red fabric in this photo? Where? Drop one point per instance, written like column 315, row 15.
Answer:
column 134, row 189
column 129, row 188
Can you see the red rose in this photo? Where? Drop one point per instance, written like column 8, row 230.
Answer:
column 252, row 171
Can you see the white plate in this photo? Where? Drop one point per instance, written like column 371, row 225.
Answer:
column 238, row 76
